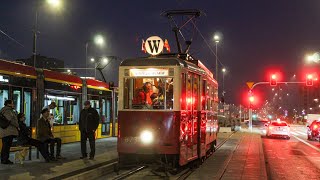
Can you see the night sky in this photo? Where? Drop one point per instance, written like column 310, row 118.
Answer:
column 257, row 34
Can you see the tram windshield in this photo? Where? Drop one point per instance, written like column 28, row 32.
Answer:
column 148, row 93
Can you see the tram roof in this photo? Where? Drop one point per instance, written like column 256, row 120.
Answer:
column 183, row 60
column 161, row 60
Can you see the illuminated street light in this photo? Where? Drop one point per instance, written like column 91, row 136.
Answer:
column 287, row 94
column 51, row 3
column 223, row 73
column 54, row 3
column 99, row 40
column 92, row 59
column 313, row 58
column 68, row 70
column 217, row 39
column 105, row 60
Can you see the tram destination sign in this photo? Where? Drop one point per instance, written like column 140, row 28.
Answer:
column 150, row 72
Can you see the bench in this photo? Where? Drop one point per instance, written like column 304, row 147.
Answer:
column 15, row 148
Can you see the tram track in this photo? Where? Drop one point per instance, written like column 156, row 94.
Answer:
column 182, row 176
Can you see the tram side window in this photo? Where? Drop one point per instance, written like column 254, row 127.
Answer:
column 27, row 107
column 148, row 93
column 17, row 100
column 4, row 95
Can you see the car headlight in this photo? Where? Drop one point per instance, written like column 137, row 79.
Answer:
column 146, row 137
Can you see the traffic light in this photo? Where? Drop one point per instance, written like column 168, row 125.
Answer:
column 251, row 98
column 309, row 80
column 273, row 80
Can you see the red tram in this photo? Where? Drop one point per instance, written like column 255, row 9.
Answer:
column 180, row 125
column 32, row 88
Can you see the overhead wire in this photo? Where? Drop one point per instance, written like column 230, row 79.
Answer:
column 212, row 51
column 11, row 38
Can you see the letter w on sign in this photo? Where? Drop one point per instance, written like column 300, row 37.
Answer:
column 154, row 45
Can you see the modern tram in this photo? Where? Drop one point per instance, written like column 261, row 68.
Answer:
column 180, row 124
column 32, row 88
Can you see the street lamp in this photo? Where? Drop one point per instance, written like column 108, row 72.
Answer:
column 216, row 39
column 315, row 57
column 98, row 40
column 51, row 3
column 223, row 73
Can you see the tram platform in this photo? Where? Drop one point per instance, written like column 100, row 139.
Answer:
column 241, row 157
column 106, row 150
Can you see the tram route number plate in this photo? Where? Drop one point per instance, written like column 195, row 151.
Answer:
column 131, row 140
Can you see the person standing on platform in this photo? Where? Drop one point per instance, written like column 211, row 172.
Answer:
column 7, row 134
column 88, row 124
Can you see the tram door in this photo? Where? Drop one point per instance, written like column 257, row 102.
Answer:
column 192, row 113
column 106, row 116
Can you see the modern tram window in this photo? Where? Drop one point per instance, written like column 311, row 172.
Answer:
column 67, row 110
column 27, row 106
column 4, row 95
column 148, row 93
column 17, row 100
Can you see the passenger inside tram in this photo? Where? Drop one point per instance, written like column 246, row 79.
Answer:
column 152, row 93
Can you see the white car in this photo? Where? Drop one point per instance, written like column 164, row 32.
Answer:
column 278, row 129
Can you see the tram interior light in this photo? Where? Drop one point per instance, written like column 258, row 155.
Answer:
column 61, row 98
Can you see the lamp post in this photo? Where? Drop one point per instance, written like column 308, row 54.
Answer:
column 223, row 73
column 51, row 3
column 216, row 39
column 98, row 40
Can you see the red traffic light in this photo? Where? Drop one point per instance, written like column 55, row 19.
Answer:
column 273, row 80
column 251, row 99
column 309, row 80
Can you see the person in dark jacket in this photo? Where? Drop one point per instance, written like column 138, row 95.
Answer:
column 88, row 124
column 44, row 134
column 10, row 132
column 24, row 137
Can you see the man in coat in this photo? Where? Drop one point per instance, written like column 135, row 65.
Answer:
column 44, row 134
column 88, row 124
column 10, row 132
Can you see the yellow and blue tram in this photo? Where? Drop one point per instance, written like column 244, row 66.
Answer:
column 32, row 88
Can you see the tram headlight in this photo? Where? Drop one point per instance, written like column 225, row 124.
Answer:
column 146, row 137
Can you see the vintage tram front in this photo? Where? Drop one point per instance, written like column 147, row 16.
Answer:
column 167, row 109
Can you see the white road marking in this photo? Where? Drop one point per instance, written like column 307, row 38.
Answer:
column 294, row 133
column 302, row 133
column 308, row 144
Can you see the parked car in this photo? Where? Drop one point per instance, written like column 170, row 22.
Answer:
column 313, row 130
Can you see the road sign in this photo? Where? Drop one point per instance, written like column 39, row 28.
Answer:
column 250, row 84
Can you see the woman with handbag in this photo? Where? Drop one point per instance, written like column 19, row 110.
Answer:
column 7, row 134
